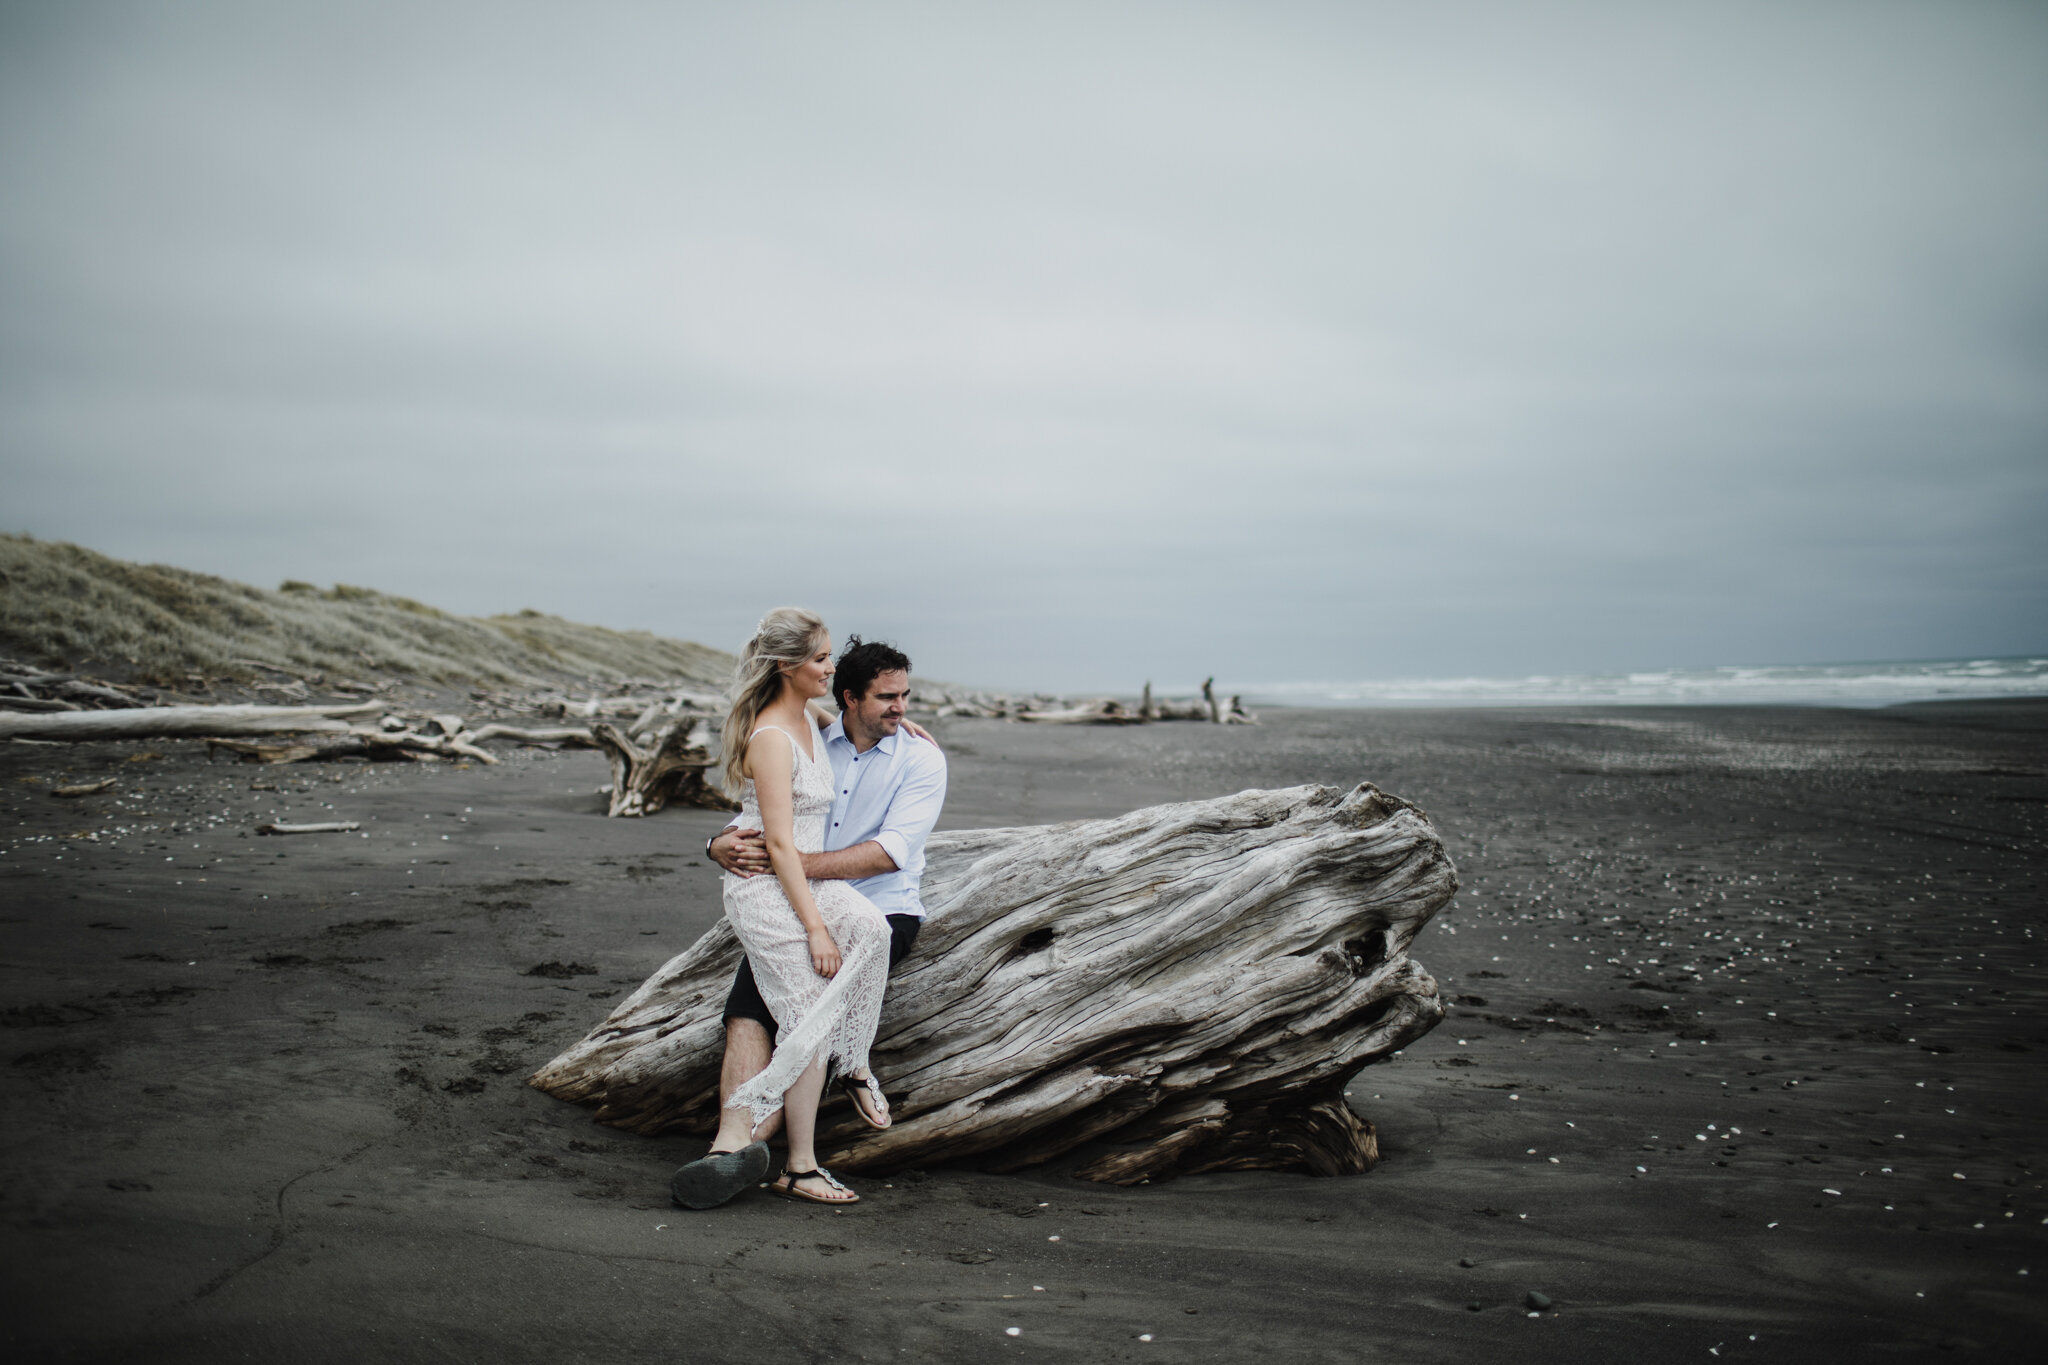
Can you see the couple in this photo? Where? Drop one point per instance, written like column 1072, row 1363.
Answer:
column 822, row 868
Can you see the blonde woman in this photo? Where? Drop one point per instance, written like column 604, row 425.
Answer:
column 819, row 949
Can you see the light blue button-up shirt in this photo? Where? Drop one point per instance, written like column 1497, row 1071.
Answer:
column 892, row 795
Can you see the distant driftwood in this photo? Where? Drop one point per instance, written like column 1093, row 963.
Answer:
column 570, row 736
column 370, row 744
column 670, row 768
column 1192, row 985
column 1109, row 711
column 1047, row 710
column 170, row 722
column 1104, row 712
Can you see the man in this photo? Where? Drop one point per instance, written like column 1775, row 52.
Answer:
column 888, row 786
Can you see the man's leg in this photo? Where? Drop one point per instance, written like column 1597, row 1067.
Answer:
column 747, row 1048
column 738, row 1158
column 902, row 933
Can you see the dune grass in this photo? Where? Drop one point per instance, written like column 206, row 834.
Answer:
column 63, row 605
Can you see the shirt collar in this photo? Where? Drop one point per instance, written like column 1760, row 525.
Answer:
column 835, row 733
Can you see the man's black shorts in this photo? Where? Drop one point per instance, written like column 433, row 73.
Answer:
column 745, row 1002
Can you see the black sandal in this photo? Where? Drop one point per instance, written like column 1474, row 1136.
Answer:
column 857, row 1086
column 790, row 1191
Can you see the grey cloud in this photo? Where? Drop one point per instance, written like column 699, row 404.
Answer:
column 1067, row 344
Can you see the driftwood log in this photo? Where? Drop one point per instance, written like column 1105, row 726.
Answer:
column 1220, row 714
column 669, row 769
column 1204, row 709
column 171, row 722
column 17, row 702
column 1191, row 985
column 572, row 736
column 1105, row 711
column 370, row 744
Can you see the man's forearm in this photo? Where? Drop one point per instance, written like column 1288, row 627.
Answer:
column 849, row 864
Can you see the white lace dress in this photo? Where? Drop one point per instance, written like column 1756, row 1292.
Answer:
column 815, row 1016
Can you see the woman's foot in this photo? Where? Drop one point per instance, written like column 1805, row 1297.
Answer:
column 819, row 1186
column 868, row 1100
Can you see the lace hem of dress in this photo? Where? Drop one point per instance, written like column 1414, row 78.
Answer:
column 840, row 1024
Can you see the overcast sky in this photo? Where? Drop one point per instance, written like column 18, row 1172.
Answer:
column 1068, row 346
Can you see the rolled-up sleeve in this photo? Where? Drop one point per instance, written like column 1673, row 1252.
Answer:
column 914, row 807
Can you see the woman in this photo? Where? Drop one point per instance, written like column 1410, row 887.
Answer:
column 819, row 949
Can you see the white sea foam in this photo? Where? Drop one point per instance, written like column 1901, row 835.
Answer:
column 1856, row 684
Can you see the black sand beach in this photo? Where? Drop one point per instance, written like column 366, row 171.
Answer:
column 1743, row 1064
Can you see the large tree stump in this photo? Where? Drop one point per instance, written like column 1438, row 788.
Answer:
column 670, row 768
column 1192, row 984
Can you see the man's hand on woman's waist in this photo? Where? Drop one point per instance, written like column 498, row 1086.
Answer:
column 743, row 853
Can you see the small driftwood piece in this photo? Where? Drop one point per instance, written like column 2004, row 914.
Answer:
column 360, row 743
column 670, row 769
column 411, row 743
column 1192, row 985
column 171, row 722
column 278, row 751
column 330, row 827
column 84, row 788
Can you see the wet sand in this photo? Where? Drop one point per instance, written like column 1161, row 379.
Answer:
column 1744, row 1057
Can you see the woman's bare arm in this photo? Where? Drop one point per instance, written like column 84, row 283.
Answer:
column 771, row 763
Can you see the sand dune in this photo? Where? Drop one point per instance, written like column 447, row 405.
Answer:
column 65, row 605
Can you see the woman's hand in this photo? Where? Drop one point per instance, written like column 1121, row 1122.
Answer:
column 824, row 952
column 920, row 732
column 741, row 852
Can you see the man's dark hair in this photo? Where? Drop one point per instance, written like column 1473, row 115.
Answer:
column 859, row 665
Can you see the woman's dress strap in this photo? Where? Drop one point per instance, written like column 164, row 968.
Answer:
column 808, row 758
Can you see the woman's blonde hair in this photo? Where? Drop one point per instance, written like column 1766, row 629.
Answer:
column 786, row 636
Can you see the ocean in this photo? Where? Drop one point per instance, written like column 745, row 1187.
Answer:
column 1850, row 684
